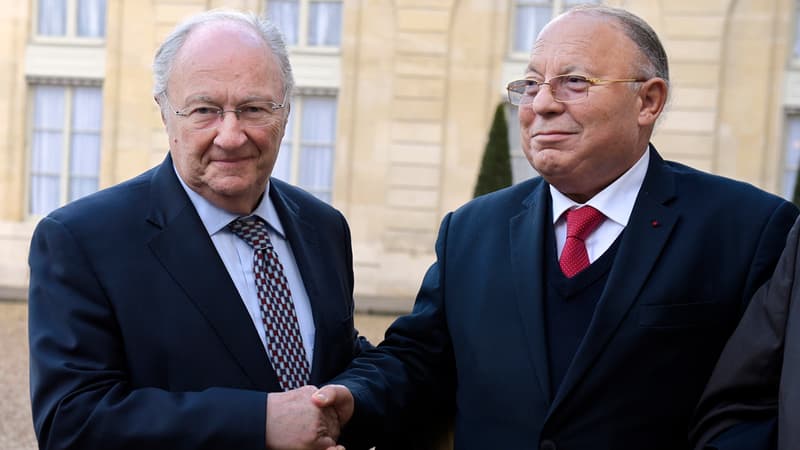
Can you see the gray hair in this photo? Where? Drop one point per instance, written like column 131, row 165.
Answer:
column 639, row 31
column 272, row 36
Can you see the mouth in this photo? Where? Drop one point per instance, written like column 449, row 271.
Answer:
column 552, row 136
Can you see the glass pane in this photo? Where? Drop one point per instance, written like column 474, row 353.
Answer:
column 318, row 135
column 283, row 166
column 48, row 107
column 316, row 168
column 79, row 187
column 44, row 194
column 319, row 120
column 52, row 18
column 528, row 21
column 796, row 48
column 92, row 18
column 286, row 15
column 325, row 23
column 85, row 155
column 792, row 158
column 87, row 109
column 47, row 152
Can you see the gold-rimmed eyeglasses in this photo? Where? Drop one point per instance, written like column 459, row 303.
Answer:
column 564, row 88
column 206, row 116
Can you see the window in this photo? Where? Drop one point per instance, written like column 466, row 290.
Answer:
column 71, row 18
column 306, row 154
column 64, row 160
column 528, row 17
column 308, row 23
column 792, row 155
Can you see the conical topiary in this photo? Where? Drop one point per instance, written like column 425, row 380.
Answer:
column 495, row 170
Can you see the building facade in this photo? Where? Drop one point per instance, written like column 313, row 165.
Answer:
column 392, row 109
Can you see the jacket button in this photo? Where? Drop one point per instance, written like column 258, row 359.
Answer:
column 547, row 445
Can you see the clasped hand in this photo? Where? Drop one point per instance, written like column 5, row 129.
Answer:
column 308, row 418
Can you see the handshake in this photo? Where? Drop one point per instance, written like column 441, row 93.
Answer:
column 308, row 418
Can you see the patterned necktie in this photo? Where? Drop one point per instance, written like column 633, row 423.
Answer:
column 284, row 343
column 581, row 223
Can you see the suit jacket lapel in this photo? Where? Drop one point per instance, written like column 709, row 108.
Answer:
column 186, row 251
column 302, row 237
column 648, row 230
column 527, row 252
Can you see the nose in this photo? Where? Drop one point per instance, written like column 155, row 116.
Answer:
column 544, row 102
column 230, row 132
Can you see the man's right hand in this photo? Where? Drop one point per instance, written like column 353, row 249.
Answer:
column 337, row 398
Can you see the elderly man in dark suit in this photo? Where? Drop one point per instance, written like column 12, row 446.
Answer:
column 172, row 311
column 752, row 401
column 583, row 310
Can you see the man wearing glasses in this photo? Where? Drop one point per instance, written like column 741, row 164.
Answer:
column 172, row 311
column 585, row 309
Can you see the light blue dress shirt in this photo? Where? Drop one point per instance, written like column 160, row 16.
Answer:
column 237, row 255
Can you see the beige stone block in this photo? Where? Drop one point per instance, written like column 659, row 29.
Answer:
column 688, row 26
column 174, row 12
column 414, row 176
column 421, row 43
column 416, row 132
column 694, row 50
column 432, row 110
column 412, row 219
column 697, row 162
column 415, row 153
column 420, row 65
column 695, row 73
column 689, row 121
column 694, row 6
column 417, row 87
column 406, row 241
column 431, row 4
column 697, row 146
column 695, row 97
column 419, row 19
column 404, row 197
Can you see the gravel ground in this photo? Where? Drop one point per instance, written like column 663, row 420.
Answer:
column 16, row 429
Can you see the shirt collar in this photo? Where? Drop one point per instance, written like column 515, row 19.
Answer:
column 615, row 201
column 216, row 219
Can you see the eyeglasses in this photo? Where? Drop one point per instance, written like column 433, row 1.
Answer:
column 203, row 116
column 565, row 88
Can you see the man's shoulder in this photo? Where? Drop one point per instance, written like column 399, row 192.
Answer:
column 707, row 185
column 512, row 197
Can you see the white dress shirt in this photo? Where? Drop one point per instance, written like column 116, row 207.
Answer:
column 237, row 255
column 615, row 202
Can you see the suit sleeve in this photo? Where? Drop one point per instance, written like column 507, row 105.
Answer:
column 408, row 379
column 740, row 402
column 81, row 395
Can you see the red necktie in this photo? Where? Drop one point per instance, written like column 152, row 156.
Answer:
column 284, row 344
column 581, row 223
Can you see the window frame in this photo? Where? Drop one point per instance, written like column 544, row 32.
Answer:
column 303, row 16
column 557, row 6
column 64, row 173
column 296, row 141
column 70, row 36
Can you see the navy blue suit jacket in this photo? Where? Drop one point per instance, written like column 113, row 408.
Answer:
column 695, row 249
column 138, row 336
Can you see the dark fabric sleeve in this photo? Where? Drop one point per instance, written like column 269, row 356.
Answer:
column 80, row 390
column 743, row 389
column 407, row 382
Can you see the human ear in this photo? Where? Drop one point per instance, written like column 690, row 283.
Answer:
column 652, row 97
